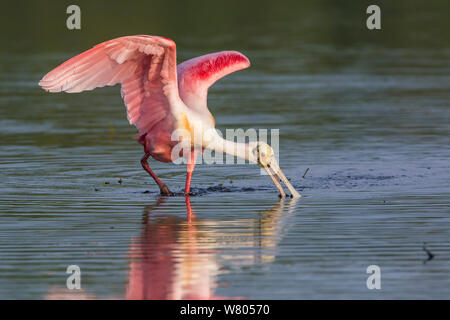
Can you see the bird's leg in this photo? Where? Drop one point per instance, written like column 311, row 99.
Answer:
column 190, row 169
column 162, row 186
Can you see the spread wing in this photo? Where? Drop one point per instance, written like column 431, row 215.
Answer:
column 145, row 66
column 195, row 76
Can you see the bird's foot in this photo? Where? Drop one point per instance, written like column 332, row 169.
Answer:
column 165, row 191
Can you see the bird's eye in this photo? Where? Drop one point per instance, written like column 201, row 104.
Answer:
column 257, row 154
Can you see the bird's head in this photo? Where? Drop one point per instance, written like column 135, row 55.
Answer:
column 263, row 154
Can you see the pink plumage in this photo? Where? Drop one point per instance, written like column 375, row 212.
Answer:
column 146, row 68
column 144, row 65
column 195, row 76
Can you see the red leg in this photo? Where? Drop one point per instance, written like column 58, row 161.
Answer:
column 190, row 169
column 162, row 186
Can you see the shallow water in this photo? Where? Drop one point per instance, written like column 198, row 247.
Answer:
column 368, row 115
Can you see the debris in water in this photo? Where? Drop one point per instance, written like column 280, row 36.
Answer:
column 430, row 255
column 306, row 171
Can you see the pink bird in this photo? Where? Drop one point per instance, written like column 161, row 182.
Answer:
column 162, row 98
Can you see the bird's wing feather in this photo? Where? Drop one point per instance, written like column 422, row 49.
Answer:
column 144, row 65
column 196, row 75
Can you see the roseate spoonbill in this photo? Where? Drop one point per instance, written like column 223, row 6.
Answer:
column 162, row 97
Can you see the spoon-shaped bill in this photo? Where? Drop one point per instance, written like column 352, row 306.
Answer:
column 277, row 176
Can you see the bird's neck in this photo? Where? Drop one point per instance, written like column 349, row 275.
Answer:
column 237, row 149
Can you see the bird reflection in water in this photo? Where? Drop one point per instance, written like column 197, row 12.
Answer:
column 168, row 260
column 178, row 257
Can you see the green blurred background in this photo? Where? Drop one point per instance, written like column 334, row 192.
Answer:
column 40, row 26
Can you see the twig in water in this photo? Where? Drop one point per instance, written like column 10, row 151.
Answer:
column 306, row 171
column 430, row 255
